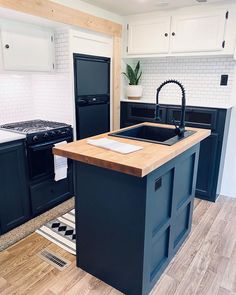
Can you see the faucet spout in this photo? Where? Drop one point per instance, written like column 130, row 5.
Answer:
column 181, row 128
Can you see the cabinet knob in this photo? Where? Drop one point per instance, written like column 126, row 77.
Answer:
column 173, row 34
column 7, row 46
column 166, row 34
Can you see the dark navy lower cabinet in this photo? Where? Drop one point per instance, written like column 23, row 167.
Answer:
column 212, row 153
column 129, row 228
column 212, row 148
column 14, row 194
column 20, row 199
column 134, row 113
column 207, row 170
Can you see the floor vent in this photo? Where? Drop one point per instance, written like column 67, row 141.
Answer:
column 53, row 259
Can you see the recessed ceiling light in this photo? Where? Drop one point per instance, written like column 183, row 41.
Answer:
column 201, row 1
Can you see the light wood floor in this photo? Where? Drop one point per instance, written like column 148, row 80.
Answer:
column 206, row 264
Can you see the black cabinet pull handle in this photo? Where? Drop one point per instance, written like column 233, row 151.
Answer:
column 173, row 34
column 166, row 34
column 7, row 46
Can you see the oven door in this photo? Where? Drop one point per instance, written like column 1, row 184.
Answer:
column 41, row 159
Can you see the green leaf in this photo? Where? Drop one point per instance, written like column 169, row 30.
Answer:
column 123, row 73
column 139, row 77
column 137, row 68
column 133, row 75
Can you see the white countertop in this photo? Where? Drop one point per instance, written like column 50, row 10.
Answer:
column 217, row 105
column 6, row 136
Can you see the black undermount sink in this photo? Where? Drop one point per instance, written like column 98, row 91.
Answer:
column 154, row 134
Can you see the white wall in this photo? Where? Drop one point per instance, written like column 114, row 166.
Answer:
column 228, row 186
column 16, row 102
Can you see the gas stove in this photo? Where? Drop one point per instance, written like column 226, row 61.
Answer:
column 41, row 137
column 40, row 131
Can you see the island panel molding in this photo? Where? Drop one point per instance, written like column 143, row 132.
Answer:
column 140, row 163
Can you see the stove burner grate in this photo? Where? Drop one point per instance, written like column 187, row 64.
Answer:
column 33, row 126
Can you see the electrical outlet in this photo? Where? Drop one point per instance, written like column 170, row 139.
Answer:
column 224, row 80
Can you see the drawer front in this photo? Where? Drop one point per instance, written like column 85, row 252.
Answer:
column 194, row 117
column 137, row 112
column 47, row 194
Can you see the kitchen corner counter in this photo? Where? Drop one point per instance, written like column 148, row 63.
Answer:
column 6, row 136
column 139, row 163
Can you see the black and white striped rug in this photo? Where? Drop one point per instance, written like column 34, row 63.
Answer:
column 61, row 231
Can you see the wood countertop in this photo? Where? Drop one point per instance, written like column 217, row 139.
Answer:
column 139, row 163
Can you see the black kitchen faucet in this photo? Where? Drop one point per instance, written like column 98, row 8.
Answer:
column 181, row 128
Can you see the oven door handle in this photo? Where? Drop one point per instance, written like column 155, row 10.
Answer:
column 50, row 144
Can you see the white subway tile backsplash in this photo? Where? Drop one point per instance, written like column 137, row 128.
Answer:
column 200, row 76
column 53, row 97
column 15, row 98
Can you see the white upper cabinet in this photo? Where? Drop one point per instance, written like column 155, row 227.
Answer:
column 191, row 33
column 149, row 37
column 198, row 32
column 27, row 47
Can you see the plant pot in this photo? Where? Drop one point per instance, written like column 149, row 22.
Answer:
column 134, row 91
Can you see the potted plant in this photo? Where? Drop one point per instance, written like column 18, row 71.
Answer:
column 133, row 90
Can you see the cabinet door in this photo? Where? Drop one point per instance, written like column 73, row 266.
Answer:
column 198, row 32
column 149, row 37
column 14, row 196
column 210, row 150
column 135, row 113
column 47, row 194
column 194, row 117
column 207, row 173
column 27, row 48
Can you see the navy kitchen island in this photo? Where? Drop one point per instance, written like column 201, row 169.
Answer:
column 133, row 212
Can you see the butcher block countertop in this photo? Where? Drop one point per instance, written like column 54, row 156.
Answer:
column 139, row 163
